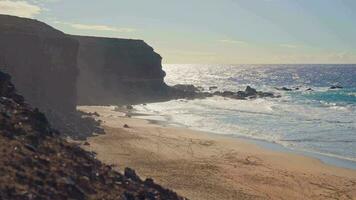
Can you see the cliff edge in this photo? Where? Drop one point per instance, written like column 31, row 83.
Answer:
column 118, row 71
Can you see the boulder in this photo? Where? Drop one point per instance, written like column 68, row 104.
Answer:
column 336, row 87
column 213, row 88
column 250, row 91
column 185, row 88
column 285, row 89
column 227, row 94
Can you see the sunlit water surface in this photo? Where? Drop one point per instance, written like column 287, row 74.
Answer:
column 322, row 121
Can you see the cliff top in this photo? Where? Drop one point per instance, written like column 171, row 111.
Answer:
column 13, row 24
column 123, row 43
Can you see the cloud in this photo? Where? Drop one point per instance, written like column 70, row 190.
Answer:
column 96, row 27
column 19, row 8
column 232, row 41
column 291, row 46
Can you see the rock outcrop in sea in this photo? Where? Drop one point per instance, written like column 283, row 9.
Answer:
column 36, row 163
column 193, row 92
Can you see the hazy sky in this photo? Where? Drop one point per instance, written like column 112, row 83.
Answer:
column 212, row 31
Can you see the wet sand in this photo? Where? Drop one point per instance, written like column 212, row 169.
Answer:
column 206, row 166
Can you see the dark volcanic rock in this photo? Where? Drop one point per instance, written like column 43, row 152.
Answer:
column 184, row 91
column 186, row 88
column 7, row 89
column 250, row 91
column 227, row 94
column 118, row 71
column 191, row 92
column 286, row 89
column 213, row 88
column 35, row 163
column 336, row 87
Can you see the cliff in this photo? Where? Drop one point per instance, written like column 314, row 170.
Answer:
column 35, row 163
column 117, row 71
column 42, row 62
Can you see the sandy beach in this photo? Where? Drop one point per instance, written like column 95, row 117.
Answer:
column 204, row 166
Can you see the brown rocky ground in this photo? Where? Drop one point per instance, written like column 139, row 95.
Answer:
column 35, row 163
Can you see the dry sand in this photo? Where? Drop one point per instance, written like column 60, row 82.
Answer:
column 205, row 166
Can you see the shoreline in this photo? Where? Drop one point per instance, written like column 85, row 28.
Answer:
column 326, row 159
column 201, row 165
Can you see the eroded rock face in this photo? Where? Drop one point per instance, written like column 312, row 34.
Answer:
column 118, row 71
column 42, row 63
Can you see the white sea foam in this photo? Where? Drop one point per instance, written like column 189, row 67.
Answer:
column 313, row 121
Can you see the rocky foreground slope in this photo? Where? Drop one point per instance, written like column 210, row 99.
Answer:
column 35, row 163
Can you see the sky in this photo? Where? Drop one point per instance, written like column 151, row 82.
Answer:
column 211, row 31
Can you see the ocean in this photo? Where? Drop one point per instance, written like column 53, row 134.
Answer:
column 320, row 121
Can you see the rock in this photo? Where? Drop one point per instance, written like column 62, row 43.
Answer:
column 250, row 91
column 207, row 94
column 336, row 87
column 309, row 89
column 129, row 107
column 213, row 88
column 149, row 181
column 284, row 89
column 86, row 143
column 30, row 147
column 96, row 114
column 241, row 95
column 265, row 94
column 126, row 126
column 131, row 174
column 200, row 88
column 190, row 92
column 128, row 196
column 185, row 88
column 227, row 94
column 217, row 93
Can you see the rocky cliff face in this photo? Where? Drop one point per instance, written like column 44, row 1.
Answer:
column 42, row 62
column 55, row 71
column 118, row 71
